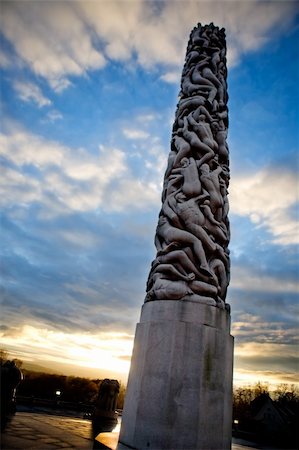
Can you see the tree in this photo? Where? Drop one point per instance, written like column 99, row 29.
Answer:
column 121, row 396
column 243, row 396
column 260, row 388
column 286, row 394
column 44, row 386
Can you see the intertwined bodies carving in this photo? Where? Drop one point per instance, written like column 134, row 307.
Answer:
column 192, row 236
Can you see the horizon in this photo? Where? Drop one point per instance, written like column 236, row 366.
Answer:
column 89, row 92
column 93, row 373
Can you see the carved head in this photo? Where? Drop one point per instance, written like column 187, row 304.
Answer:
column 215, row 126
column 205, row 168
column 184, row 162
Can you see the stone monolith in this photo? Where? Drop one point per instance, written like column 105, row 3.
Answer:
column 179, row 393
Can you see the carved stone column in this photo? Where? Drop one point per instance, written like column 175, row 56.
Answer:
column 180, row 384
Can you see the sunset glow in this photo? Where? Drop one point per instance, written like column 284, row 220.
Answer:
column 106, row 351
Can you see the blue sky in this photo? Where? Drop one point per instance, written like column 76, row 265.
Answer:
column 89, row 91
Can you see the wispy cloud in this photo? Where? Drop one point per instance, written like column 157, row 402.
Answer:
column 267, row 198
column 258, row 360
column 102, row 350
column 29, row 92
column 63, row 39
column 68, row 179
column 5, row 60
column 54, row 115
column 52, row 39
column 249, row 328
column 249, row 281
column 249, row 377
column 131, row 133
column 147, row 118
column 171, row 77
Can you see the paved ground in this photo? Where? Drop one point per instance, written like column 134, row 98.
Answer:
column 46, row 432
column 32, row 431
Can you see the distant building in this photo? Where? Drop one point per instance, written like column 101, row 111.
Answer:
column 267, row 417
column 269, row 422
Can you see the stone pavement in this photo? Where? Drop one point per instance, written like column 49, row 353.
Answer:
column 33, row 431
column 46, row 432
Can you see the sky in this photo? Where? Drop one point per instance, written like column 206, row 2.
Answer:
column 88, row 96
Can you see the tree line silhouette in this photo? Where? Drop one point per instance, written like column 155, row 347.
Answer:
column 258, row 413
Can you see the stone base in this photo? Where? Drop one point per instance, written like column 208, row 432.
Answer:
column 179, row 393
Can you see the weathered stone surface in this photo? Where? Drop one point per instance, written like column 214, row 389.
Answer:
column 180, row 385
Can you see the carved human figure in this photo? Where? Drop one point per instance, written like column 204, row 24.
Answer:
column 165, row 289
column 217, row 229
column 162, row 288
column 225, row 208
column 194, row 82
column 210, row 181
column 196, row 222
column 168, row 234
column 201, row 36
column 202, row 128
column 199, row 142
column 183, row 148
column 171, row 159
column 215, row 59
column 172, row 272
column 220, row 272
column 209, row 75
column 179, row 259
column 186, row 106
column 220, row 133
column 191, row 184
column 192, row 57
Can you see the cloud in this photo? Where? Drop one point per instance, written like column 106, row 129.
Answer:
column 29, row 92
column 59, row 40
column 54, row 115
column 171, row 77
column 66, row 180
column 267, row 198
column 260, row 359
column 131, row 133
column 23, row 148
column 249, row 281
column 15, row 186
column 51, row 39
column 253, row 327
column 159, row 35
column 72, row 273
column 5, row 60
column 100, row 350
column 271, row 352
column 132, row 193
column 273, row 377
column 147, row 118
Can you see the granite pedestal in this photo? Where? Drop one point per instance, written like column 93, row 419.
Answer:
column 179, row 393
